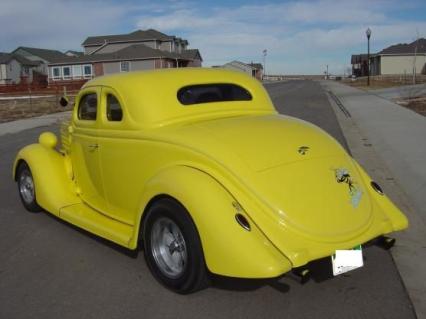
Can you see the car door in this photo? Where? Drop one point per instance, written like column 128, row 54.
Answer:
column 85, row 149
column 118, row 148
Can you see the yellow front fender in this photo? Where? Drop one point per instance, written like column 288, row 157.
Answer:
column 51, row 174
column 229, row 249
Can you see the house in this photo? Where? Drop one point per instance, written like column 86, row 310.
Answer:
column 151, row 38
column 15, row 69
column 252, row 69
column 359, row 64
column 258, row 70
column 139, row 50
column 400, row 59
column 41, row 56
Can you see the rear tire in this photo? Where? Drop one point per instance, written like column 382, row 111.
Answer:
column 26, row 188
column 172, row 247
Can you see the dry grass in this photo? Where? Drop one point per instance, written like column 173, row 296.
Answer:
column 417, row 104
column 383, row 82
column 11, row 110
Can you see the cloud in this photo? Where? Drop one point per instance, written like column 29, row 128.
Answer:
column 302, row 35
column 55, row 24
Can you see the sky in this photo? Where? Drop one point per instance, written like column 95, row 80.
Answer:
column 301, row 37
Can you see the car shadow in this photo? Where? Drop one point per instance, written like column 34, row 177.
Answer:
column 122, row 250
column 239, row 284
column 320, row 270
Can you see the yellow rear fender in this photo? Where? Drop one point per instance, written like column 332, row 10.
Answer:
column 396, row 218
column 51, row 172
column 228, row 248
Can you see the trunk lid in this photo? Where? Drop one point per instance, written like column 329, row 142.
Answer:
column 291, row 165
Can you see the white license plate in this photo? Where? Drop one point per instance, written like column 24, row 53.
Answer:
column 346, row 260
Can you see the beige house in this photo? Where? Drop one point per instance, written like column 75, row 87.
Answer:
column 400, row 59
column 252, row 69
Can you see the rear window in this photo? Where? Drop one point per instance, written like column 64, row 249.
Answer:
column 206, row 93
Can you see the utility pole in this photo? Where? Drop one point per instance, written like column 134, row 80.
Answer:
column 415, row 56
column 264, row 62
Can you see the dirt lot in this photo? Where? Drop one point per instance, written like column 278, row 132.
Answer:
column 383, row 82
column 417, row 104
column 25, row 107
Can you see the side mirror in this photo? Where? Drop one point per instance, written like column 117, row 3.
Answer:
column 63, row 101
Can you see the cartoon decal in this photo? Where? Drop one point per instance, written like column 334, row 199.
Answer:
column 343, row 176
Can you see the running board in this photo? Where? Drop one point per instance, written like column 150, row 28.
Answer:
column 89, row 219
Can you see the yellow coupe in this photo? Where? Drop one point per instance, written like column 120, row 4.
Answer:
column 196, row 167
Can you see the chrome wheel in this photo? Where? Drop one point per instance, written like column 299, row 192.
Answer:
column 168, row 248
column 26, row 187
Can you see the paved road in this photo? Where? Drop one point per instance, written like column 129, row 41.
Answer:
column 49, row 269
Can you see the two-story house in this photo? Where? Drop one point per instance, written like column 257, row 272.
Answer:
column 15, row 69
column 139, row 50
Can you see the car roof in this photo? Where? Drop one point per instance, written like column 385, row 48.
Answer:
column 151, row 96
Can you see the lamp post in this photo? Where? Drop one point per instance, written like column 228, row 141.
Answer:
column 368, row 33
column 264, row 62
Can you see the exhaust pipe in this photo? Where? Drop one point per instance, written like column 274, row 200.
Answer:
column 301, row 274
column 386, row 242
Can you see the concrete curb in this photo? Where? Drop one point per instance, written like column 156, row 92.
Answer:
column 26, row 124
column 407, row 253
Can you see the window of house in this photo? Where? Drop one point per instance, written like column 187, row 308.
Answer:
column 113, row 109
column 87, row 108
column 76, row 71
column 56, row 72
column 26, row 70
column 66, row 71
column 207, row 93
column 125, row 66
column 87, row 70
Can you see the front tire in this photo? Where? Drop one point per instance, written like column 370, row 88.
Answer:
column 173, row 248
column 26, row 188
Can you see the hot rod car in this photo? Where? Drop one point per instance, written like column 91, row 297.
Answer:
column 196, row 167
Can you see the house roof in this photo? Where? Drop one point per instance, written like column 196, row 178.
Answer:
column 192, row 54
column 404, row 48
column 138, row 35
column 75, row 53
column 133, row 52
column 258, row 66
column 7, row 57
column 45, row 54
column 240, row 65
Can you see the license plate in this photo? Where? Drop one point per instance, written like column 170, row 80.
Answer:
column 347, row 260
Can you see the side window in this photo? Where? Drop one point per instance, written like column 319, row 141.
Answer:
column 87, row 107
column 113, row 109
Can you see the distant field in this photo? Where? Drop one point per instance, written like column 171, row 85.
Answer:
column 23, row 106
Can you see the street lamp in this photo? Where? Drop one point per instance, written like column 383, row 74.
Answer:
column 368, row 33
column 264, row 62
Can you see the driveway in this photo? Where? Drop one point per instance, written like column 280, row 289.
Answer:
column 49, row 269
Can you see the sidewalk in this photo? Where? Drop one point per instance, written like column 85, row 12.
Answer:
column 390, row 142
column 25, row 124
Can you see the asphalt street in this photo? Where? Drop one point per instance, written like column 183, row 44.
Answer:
column 49, row 269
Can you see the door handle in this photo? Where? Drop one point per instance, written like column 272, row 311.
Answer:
column 93, row 147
